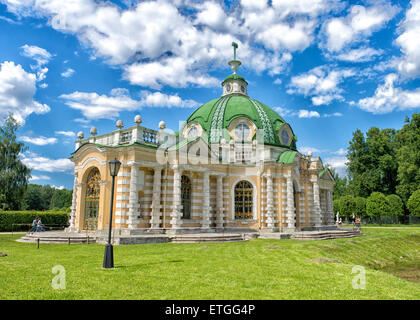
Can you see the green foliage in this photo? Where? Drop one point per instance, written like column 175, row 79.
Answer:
column 336, row 205
column 47, row 198
column 413, row 203
column 372, row 162
column 397, row 206
column 360, row 208
column 7, row 218
column 347, row 205
column 341, row 185
column 14, row 175
column 408, row 157
column 377, row 205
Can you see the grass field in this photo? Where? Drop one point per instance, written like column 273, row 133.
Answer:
column 258, row 269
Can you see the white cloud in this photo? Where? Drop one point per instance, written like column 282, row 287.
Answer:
column 17, row 90
column 39, row 177
column 68, row 73
column 340, row 152
column 66, row 133
column 39, row 163
column 95, row 106
column 359, row 24
column 157, row 43
column 335, row 114
column 40, row 55
column 338, row 163
column 306, row 150
column 362, row 54
column 388, row 98
column 308, row 114
column 409, row 41
column 321, row 83
column 39, row 141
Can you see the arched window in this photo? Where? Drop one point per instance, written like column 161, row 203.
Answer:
column 186, row 197
column 92, row 200
column 242, row 131
column 244, row 200
column 193, row 132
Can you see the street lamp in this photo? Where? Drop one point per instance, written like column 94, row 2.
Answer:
column 114, row 166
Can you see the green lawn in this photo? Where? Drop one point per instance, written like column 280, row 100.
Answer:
column 258, row 269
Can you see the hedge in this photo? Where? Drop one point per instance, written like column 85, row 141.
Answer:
column 7, row 218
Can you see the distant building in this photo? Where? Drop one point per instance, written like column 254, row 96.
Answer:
column 233, row 165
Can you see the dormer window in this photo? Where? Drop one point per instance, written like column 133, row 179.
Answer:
column 193, row 132
column 242, row 131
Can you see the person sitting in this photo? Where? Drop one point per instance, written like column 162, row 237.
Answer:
column 40, row 226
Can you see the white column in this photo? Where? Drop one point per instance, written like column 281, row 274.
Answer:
column 219, row 203
column 291, row 214
column 73, row 205
column 205, row 224
column 317, row 204
column 330, row 209
column 133, row 204
column 157, row 182
column 270, row 208
column 177, row 206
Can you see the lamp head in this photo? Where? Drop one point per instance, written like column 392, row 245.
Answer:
column 114, row 167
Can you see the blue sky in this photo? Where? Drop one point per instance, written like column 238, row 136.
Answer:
column 328, row 67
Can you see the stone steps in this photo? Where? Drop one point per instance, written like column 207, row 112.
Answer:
column 324, row 235
column 189, row 238
column 57, row 239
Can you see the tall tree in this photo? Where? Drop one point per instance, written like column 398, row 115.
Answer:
column 408, row 157
column 372, row 162
column 14, row 175
column 341, row 185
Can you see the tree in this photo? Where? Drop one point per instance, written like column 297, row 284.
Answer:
column 336, row 205
column 396, row 204
column 347, row 205
column 408, row 157
column 341, row 185
column 372, row 164
column 360, row 208
column 413, row 203
column 14, row 175
column 377, row 205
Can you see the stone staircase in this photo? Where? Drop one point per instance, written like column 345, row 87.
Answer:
column 58, row 237
column 200, row 238
column 325, row 234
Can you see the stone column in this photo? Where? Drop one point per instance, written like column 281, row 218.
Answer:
column 219, row 203
column 157, row 182
column 291, row 212
column 330, row 209
column 177, row 206
column 270, row 208
column 205, row 224
column 133, row 200
column 72, row 221
column 317, row 205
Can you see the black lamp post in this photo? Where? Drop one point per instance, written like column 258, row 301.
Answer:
column 114, row 166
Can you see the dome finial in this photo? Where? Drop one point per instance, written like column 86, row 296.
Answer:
column 235, row 46
column 234, row 63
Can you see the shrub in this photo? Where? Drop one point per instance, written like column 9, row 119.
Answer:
column 377, row 205
column 413, row 203
column 397, row 206
column 7, row 218
column 347, row 205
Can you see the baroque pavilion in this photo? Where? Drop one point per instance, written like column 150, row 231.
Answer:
column 233, row 165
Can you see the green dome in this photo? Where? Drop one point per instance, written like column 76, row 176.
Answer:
column 234, row 76
column 217, row 114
